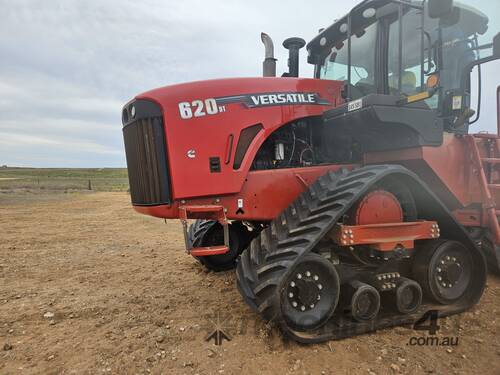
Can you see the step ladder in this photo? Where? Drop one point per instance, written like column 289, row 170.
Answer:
column 214, row 212
column 488, row 171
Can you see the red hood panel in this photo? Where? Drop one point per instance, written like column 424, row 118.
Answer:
column 201, row 116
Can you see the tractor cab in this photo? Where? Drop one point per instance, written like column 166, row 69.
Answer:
column 413, row 55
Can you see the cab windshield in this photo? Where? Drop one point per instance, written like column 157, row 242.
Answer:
column 378, row 65
column 362, row 71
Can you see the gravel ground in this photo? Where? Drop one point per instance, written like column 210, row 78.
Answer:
column 88, row 286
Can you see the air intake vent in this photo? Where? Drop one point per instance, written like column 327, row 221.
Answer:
column 146, row 152
column 247, row 135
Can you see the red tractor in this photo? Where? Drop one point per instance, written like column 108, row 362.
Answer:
column 350, row 201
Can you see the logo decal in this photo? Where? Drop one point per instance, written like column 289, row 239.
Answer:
column 213, row 106
column 274, row 98
column 198, row 108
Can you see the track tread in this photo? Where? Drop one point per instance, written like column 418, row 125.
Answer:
column 197, row 230
column 296, row 231
column 197, row 237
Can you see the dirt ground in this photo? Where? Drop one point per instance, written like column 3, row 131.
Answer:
column 88, row 286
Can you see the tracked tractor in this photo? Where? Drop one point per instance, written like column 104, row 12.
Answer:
column 357, row 199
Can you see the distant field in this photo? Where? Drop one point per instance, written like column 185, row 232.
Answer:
column 62, row 180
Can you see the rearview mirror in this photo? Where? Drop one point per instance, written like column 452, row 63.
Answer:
column 440, row 8
column 496, row 45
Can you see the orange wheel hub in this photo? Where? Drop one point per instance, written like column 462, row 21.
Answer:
column 378, row 207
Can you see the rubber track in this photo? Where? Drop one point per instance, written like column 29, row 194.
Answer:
column 197, row 230
column 196, row 233
column 296, row 231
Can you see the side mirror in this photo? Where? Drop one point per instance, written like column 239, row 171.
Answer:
column 440, row 8
column 496, row 45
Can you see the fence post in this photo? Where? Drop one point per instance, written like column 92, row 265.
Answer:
column 90, row 185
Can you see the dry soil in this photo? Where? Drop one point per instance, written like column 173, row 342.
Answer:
column 88, row 286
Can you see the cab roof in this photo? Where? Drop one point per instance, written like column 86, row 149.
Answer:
column 471, row 19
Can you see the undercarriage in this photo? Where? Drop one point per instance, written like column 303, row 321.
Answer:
column 316, row 288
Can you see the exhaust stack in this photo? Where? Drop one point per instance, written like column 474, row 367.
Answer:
column 269, row 64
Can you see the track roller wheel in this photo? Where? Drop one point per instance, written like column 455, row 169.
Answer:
column 363, row 301
column 444, row 269
column 406, row 298
column 210, row 233
column 310, row 293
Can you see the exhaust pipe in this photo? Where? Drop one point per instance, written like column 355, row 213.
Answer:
column 269, row 64
column 293, row 45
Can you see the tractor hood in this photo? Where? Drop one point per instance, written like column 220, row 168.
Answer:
column 203, row 121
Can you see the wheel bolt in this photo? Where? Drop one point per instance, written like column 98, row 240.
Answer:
column 292, row 284
column 319, row 297
column 316, row 278
column 303, row 308
column 308, row 273
column 290, row 295
column 299, row 276
column 311, row 306
column 294, row 304
column 320, row 286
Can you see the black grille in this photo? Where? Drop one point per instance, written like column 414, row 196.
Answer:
column 146, row 152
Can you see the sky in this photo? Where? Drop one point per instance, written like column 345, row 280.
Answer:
column 68, row 66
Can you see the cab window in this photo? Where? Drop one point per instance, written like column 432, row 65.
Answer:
column 411, row 76
column 363, row 63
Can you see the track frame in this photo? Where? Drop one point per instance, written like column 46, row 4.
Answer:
column 300, row 228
